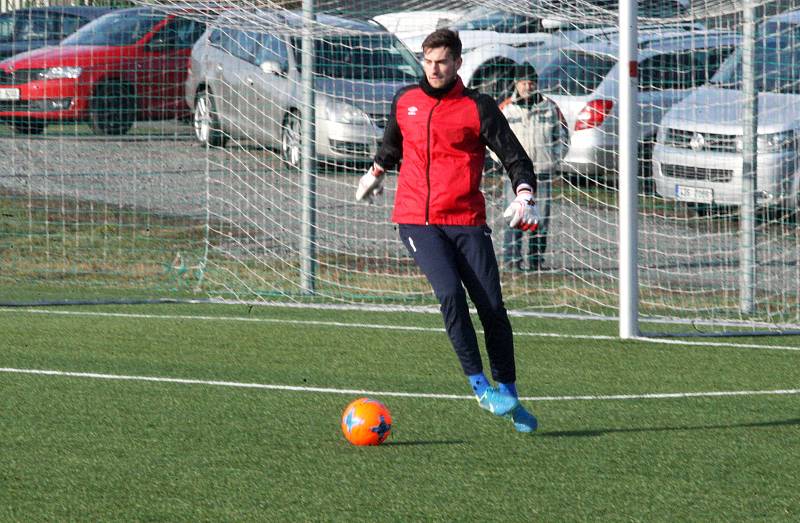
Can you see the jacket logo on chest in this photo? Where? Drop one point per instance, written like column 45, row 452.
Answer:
column 412, row 111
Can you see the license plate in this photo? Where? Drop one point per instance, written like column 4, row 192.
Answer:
column 693, row 194
column 9, row 94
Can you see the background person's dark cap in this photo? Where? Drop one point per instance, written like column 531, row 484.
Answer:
column 524, row 72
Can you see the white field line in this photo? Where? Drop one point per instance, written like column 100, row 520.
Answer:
column 325, row 390
column 389, row 327
column 429, row 309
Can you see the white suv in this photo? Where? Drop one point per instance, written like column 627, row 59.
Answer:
column 698, row 153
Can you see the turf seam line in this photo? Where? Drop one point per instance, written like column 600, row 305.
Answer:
column 394, row 327
column 294, row 388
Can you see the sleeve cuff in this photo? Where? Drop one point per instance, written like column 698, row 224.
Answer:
column 524, row 187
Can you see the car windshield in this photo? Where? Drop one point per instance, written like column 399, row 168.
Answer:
column 367, row 58
column 115, row 29
column 575, row 73
column 777, row 62
column 36, row 26
column 501, row 22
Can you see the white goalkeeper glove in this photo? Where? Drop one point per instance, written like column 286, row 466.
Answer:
column 523, row 213
column 371, row 184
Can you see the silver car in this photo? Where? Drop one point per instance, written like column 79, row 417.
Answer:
column 245, row 82
column 583, row 81
column 698, row 153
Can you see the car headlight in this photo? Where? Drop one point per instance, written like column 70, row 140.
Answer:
column 776, row 142
column 341, row 112
column 55, row 73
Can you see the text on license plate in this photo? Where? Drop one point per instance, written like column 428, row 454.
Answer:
column 7, row 93
column 693, row 194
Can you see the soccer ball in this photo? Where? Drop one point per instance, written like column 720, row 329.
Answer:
column 366, row 422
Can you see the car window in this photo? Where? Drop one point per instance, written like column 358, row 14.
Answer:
column 227, row 40
column 121, row 28
column 34, row 27
column 179, row 33
column 272, row 48
column 249, row 43
column 241, row 44
column 6, row 27
column 575, row 73
column 363, row 57
column 215, row 37
column 37, row 26
column 782, row 34
column 648, row 8
column 777, row 65
column 69, row 24
column 666, row 71
column 706, row 62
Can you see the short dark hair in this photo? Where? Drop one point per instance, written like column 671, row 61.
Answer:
column 443, row 38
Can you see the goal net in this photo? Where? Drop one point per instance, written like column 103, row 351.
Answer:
column 219, row 158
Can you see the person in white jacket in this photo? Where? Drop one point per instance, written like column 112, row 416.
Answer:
column 541, row 129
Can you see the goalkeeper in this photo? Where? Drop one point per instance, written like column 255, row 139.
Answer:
column 438, row 132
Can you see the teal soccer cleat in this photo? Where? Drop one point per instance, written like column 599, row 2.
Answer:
column 497, row 403
column 523, row 420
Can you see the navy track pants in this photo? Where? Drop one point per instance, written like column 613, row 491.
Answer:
column 454, row 258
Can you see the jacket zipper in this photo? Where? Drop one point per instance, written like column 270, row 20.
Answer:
column 428, row 165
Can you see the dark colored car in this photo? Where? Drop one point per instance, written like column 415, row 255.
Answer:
column 127, row 65
column 28, row 29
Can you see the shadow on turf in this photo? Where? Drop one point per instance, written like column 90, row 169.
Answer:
column 601, row 432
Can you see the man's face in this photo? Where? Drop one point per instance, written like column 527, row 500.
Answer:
column 440, row 67
column 525, row 88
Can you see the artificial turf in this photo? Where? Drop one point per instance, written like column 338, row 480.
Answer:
column 612, row 444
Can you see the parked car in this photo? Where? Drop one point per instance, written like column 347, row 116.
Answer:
column 126, row 65
column 583, row 82
column 698, row 153
column 494, row 41
column 414, row 25
column 246, row 84
column 28, row 29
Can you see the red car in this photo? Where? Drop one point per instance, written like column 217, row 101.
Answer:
column 129, row 64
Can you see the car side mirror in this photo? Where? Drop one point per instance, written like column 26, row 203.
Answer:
column 271, row 67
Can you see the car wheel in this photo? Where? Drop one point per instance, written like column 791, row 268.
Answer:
column 29, row 127
column 112, row 109
column 206, row 123
column 291, row 141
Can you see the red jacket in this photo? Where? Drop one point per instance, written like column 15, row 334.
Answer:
column 440, row 136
